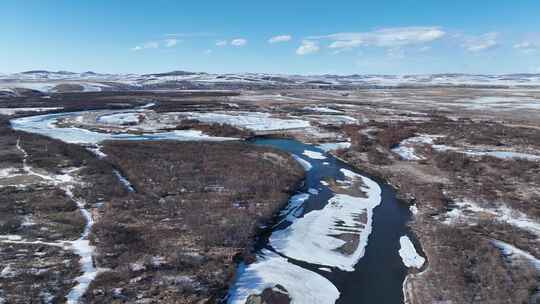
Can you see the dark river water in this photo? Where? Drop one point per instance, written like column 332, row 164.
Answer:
column 378, row 276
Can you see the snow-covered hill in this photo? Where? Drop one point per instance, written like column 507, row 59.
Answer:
column 62, row 81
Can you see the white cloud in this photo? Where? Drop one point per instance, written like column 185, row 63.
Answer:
column 156, row 44
column 221, row 43
column 481, row 43
column 280, row 38
column 527, row 47
column 238, row 42
column 170, row 42
column 146, row 45
column 387, row 37
column 307, row 47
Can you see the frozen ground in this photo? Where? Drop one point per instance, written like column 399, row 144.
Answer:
column 468, row 211
column 65, row 181
column 407, row 149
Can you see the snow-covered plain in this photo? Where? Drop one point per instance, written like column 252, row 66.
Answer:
column 303, row 286
column 311, row 237
column 408, row 253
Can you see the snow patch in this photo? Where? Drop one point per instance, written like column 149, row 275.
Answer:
column 303, row 286
column 13, row 111
column 313, row 154
column 327, row 147
column 408, row 253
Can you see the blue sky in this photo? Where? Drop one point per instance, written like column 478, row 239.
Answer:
column 310, row 37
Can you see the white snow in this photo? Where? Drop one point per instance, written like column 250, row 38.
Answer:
column 313, row 154
column 327, row 147
column 406, row 149
column 462, row 213
column 81, row 246
column 96, row 150
column 12, row 111
column 8, row 172
column 321, row 109
column 408, row 253
column 255, row 121
column 120, row 118
column 304, row 163
column 303, row 286
column 310, row 239
column 515, row 253
column 313, row 191
column 295, row 207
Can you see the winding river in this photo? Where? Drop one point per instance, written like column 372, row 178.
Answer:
column 336, row 241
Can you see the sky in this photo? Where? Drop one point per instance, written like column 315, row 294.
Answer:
column 281, row 37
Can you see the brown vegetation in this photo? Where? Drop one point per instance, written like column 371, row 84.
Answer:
column 197, row 207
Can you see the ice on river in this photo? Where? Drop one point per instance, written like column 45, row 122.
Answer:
column 303, row 286
column 304, row 163
column 312, row 237
column 313, row 154
column 45, row 125
column 408, row 253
